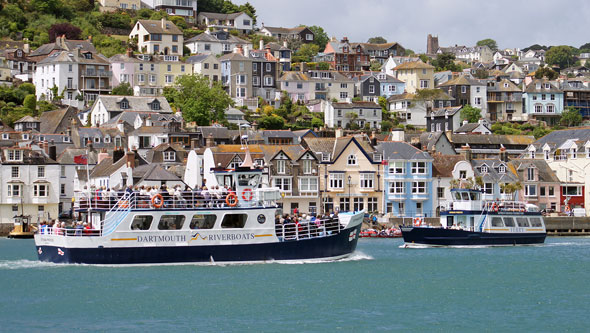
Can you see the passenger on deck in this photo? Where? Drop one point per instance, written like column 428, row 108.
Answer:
column 79, row 229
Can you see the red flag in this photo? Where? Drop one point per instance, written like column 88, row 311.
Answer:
column 384, row 162
column 81, row 159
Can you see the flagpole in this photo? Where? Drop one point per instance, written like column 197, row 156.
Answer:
column 88, row 186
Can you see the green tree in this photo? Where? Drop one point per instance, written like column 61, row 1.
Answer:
column 481, row 73
column 546, row 72
column 409, row 52
column 250, row 10
column 445, row 62
column 489, row 43
column 375, row 66
column 540, row 132
column 561, row 56
column 30, row 103
column 179, row 21
column 377, row 40
column 308, row 51
column 320, row 37
column 255, row 39
column 470, row 113
column 123, row 89
column 571, row 117
column 198, row 100
column 386, row 126
column 272, row 122
column 317, row 123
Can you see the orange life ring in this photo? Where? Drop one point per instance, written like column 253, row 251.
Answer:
column 160, row 202
column 231, row 200
column 568, row 209
column 124, row 204
column 247, row 192
column 417, row 222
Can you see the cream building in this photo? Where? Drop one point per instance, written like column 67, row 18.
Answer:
column 112, row 5
column 416, row 75
column 158, row 37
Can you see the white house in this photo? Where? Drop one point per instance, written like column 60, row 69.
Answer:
column 236, row 21
column 30, row 185
column 216, row 42
column 206, row 65
column 362, row 113
column 107, row 107
column 158, row 37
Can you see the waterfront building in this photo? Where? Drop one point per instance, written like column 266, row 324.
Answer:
column 407, row 180
column 107, row 107
column 540, row 184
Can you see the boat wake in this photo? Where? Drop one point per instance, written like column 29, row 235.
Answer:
column 356, row 256
column 26, row 264
column 426, row 246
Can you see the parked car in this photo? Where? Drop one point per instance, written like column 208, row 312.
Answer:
column 579, row 212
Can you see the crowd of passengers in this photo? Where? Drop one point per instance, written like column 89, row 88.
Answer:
column 171, row 197
column 304, row 226
column 75, row 228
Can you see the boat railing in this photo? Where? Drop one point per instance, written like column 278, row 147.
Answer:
column 307, row 229
column 69, row 232
column 487, row 205
column 177, row 200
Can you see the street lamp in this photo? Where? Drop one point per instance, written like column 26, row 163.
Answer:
column 349, row 181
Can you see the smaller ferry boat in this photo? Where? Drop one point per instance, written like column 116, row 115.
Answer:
column 468, row 220
column 197, row 226
column 22, row 228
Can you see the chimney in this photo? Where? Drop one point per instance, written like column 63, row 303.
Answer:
column 69, row 132
column 194, row 143
column 261, row 44
column 285, row 44
column 240, row 49
column 503, row 154
column 339, row 132
column 26, row 48
column 465, row 122
column 89, row 39
column 209, row 142
column 466, row 152
column 398, row 134
column 117, row 155
column 246, row 50
column 46, row 147
column 480, row 121
column 120, row 126
column 129, row 52
column 102, row 156
column 130, row 159
column 163, row 23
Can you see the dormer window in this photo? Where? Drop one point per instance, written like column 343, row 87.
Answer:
column 574, row 153
column 155, row 105
column 19, row 53
column 502, row 169
column 88, row 55
column 5, row 136
column 107, row 139
column 530, row 172
column 326, row 157
column 377, row 157
column 66, row 139
column 14, row 156
column 547, row 86
column 169, row 156
column 532, row 154
column 96, row 139
column 25, row 136
column 124, row 104
column 484, row 169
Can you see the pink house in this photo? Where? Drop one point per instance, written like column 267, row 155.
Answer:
column 540, row 185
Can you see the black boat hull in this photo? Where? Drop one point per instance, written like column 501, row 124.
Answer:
column 454, row 237
column 336, row 246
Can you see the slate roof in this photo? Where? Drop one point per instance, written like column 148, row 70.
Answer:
column 278, row 134
column 413, row 65
column 220, row 16
column 468, row 128
column 136, row 103
column 234, row 56
column 463, row 80
column 51, row 120
column 153, row 172
column 394, row 150
column 335, row 146
column 442, row 112
column 205, row 37
column 197, row 58
column 68, row 45
column 494, row 139
column 377, row 76
column 67, row 156
column 281, row 30
column 493, row 175
column 443, row 165
column 532, row 87
column 545, row 173
column 499, row 86
column 556, row 139
column 106, row 167
column 359, row 104
column 155, row 27
column 27, row 119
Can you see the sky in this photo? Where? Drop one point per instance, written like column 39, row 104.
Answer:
column 512, row 23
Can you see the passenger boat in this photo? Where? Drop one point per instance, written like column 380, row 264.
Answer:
column 242, row 227
column 468, row 220
column 385, row 233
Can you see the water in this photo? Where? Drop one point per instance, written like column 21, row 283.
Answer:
column 383, row 287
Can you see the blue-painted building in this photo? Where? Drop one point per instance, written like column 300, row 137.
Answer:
column 543, row 100
column 407, row 180
column 374, row 85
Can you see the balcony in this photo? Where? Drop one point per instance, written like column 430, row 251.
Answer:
column 95, row 73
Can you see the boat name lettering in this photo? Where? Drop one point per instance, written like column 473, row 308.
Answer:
column 160, row 238
column 456, row 212
column 230, row 237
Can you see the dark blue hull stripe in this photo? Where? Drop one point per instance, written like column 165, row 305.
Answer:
column 314, row 248
column 439, row 236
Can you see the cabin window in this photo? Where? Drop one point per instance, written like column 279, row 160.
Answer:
column 234, row 221
column 522, row 222
column 536, row 222
column 141, row 222
column 509, row 222
column 203, row 221
column 497, row 222
column 171, row 222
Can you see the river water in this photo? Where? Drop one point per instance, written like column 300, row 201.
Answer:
column 382, row 287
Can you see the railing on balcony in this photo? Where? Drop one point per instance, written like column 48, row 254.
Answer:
column 90, row 72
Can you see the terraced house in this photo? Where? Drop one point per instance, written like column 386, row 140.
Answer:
column 416, row 75
column 543, row 101
column 350, row 174
column 407, row 180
